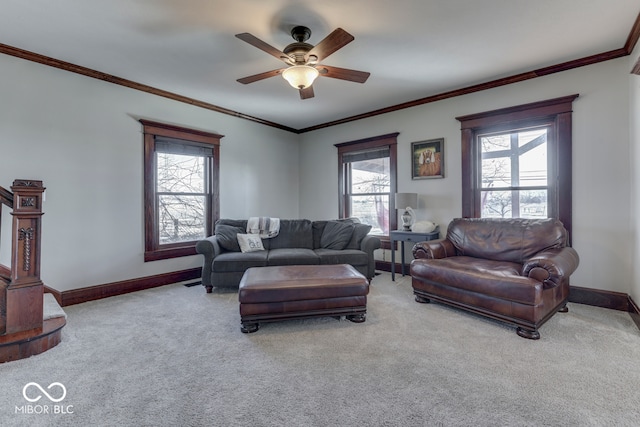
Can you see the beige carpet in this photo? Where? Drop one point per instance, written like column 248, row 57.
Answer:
column 175, row 356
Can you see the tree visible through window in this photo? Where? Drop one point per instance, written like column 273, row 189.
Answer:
column 181, row 194
column 516, row 162
column 369, row 191
column 514, row 174
column 181, row 187
column 367, row 175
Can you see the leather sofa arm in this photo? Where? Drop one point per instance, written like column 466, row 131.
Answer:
column 434, row 249
column 210, row 248
column 551, row 266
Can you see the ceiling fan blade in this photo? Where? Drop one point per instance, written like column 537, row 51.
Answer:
column 343, row 74
column 334, row 41
column 306, row 93
column 265, row 47
column 261, row 76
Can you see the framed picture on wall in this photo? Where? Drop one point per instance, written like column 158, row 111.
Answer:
column 427, row 159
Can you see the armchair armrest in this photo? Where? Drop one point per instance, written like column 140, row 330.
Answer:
column 551, row 266
column 434, row 249
column 210, row 248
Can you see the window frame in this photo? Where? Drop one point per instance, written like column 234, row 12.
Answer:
column 556, row 114
column 153, row 249
column 387, row 140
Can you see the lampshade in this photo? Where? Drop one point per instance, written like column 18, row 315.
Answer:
column 300, row 76
column 404, row 200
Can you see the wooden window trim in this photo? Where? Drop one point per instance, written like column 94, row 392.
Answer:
column 153, row 249
column 388, row 140
column 557, row 113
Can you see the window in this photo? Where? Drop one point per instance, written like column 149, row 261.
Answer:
column 514, row 174
column 367, row 177
column 516, row 162
column 181, row 189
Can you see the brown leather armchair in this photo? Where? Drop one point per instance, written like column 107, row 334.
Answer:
column 514, row 270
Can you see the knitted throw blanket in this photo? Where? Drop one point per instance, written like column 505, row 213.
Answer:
column 265, row 226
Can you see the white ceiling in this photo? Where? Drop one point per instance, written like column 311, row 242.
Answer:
column 412, row 48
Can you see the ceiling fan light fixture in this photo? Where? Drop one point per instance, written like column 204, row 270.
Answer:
column 300, row 76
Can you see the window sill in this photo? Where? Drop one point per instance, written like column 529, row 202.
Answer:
column 172, row 252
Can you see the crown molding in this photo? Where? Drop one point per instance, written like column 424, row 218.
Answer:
column 627, row 49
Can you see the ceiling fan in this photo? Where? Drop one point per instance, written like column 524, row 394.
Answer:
column 303, row 60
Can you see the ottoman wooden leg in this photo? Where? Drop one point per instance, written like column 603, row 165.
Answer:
column 249, row 327
column 531, row 334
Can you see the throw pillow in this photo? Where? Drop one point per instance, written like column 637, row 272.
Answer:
column 250, row 242
column 226, row 236
column 317, row 228
column 359, row 233
column 336, row 235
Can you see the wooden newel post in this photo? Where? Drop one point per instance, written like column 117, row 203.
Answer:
column 24, row 294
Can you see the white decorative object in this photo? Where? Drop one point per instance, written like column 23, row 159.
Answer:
column 424, row 227
column 407, row 201
column 250, row 242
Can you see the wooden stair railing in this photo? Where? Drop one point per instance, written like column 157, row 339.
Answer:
column 24, row 331
column 22, row 294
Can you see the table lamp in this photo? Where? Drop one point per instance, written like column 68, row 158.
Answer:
column 407, row 201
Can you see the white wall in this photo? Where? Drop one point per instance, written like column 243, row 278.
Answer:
column 81, row 137
column 634, row 159
column 601, row 169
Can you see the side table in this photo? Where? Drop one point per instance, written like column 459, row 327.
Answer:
column 407, row 236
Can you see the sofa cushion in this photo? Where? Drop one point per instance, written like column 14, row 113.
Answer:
column 226, row 235
column 294, row 233
column 345, row 256
column 513, row 239
column 359, row 233
column 336, row 235
column 250, row 242
column 238, row 261
column 292, row 256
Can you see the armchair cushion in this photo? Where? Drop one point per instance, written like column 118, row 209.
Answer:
column 497, row 279
column 513, row 239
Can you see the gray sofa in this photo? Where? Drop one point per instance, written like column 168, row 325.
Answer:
column 299, row 242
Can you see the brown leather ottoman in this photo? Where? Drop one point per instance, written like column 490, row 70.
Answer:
column 268, row 294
